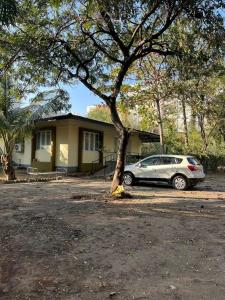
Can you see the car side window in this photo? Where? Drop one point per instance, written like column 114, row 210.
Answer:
column 171, row 160
column 177, row 160
column 153, row 161
column 193, row 161
column 168, row 160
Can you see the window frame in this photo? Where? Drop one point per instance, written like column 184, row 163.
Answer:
column 91, row 141
column 44, row 139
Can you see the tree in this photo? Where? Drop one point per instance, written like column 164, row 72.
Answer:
column 17, row 121
column 152, row 91
column 8, row 11
column 100, row 112
column 129, row 117
column 91, row 40
column 208, row 103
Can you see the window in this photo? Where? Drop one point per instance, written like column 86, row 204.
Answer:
column 168, row 160
column 193, row 161
column 91, row 141
column 178, row 160
column 171, row 160
column 43, row 139
column 151, row 161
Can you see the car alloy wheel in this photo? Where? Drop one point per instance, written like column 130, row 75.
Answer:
column 179, row 182
column 128, row 179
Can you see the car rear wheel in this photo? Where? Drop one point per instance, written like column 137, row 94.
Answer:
column 128, row 178
column 179, row 182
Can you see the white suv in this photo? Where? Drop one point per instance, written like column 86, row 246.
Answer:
column 179, row 170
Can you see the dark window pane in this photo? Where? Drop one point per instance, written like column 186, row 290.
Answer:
column 151, row 161
column 42, row 138
column 38, row 141
column 168, row 160
column 48, row 138
column 86, row 141
column 177, row 160
column 92, row 141
column 96, row 142
column 193, row 160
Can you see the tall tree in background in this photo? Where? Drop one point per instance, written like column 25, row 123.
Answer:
column 153, row 90
column 89, row 40
column 99, row 112
column 200, row 60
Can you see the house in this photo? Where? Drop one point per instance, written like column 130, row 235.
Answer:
column 75, row 143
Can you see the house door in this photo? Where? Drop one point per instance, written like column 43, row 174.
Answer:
column 90, row 149
column 43, row 149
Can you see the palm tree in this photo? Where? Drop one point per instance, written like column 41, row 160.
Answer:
column 16, row 121
column 8, row 11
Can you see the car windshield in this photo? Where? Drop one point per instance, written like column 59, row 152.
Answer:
column 193, row 161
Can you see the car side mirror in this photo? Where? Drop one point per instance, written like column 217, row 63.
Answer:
column 140, row 165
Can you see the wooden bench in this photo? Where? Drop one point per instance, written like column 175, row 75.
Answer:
column 33, row 173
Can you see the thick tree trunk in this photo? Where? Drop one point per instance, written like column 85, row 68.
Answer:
column 123, row 142
column 8, row 168
column 160, row 124
column 120, row 162
column 186, row 139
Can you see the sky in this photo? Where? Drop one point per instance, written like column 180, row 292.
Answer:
column 80, row 98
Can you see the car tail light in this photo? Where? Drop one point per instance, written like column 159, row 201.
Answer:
column 192, row 168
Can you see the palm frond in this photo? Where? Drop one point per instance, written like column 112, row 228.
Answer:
column 47, row 103
column 16, row 121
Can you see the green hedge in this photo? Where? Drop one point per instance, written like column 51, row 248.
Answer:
column 212, row 162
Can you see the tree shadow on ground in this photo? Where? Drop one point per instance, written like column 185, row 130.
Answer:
column 56, row 247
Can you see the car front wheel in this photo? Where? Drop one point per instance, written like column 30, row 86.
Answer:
column 179, row 182
column 128, row 178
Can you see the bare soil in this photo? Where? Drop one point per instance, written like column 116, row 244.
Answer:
column 66, row 240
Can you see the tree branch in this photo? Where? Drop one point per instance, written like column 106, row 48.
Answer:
column 145, row 18
column 114, row 34
column 84, row 80
column 91, row 36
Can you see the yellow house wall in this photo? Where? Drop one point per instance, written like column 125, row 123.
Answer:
column 44, row 155
column 88, row 156
column 23, row 158
column 62, row 145
column 73, row 137
column 134, row 145
column 67, row 139
column 110, row 134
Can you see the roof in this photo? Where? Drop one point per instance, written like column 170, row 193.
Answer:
column 170, row 155
column 75, row 117
column 145, row 136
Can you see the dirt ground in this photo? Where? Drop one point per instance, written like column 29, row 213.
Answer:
column 161, row 244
